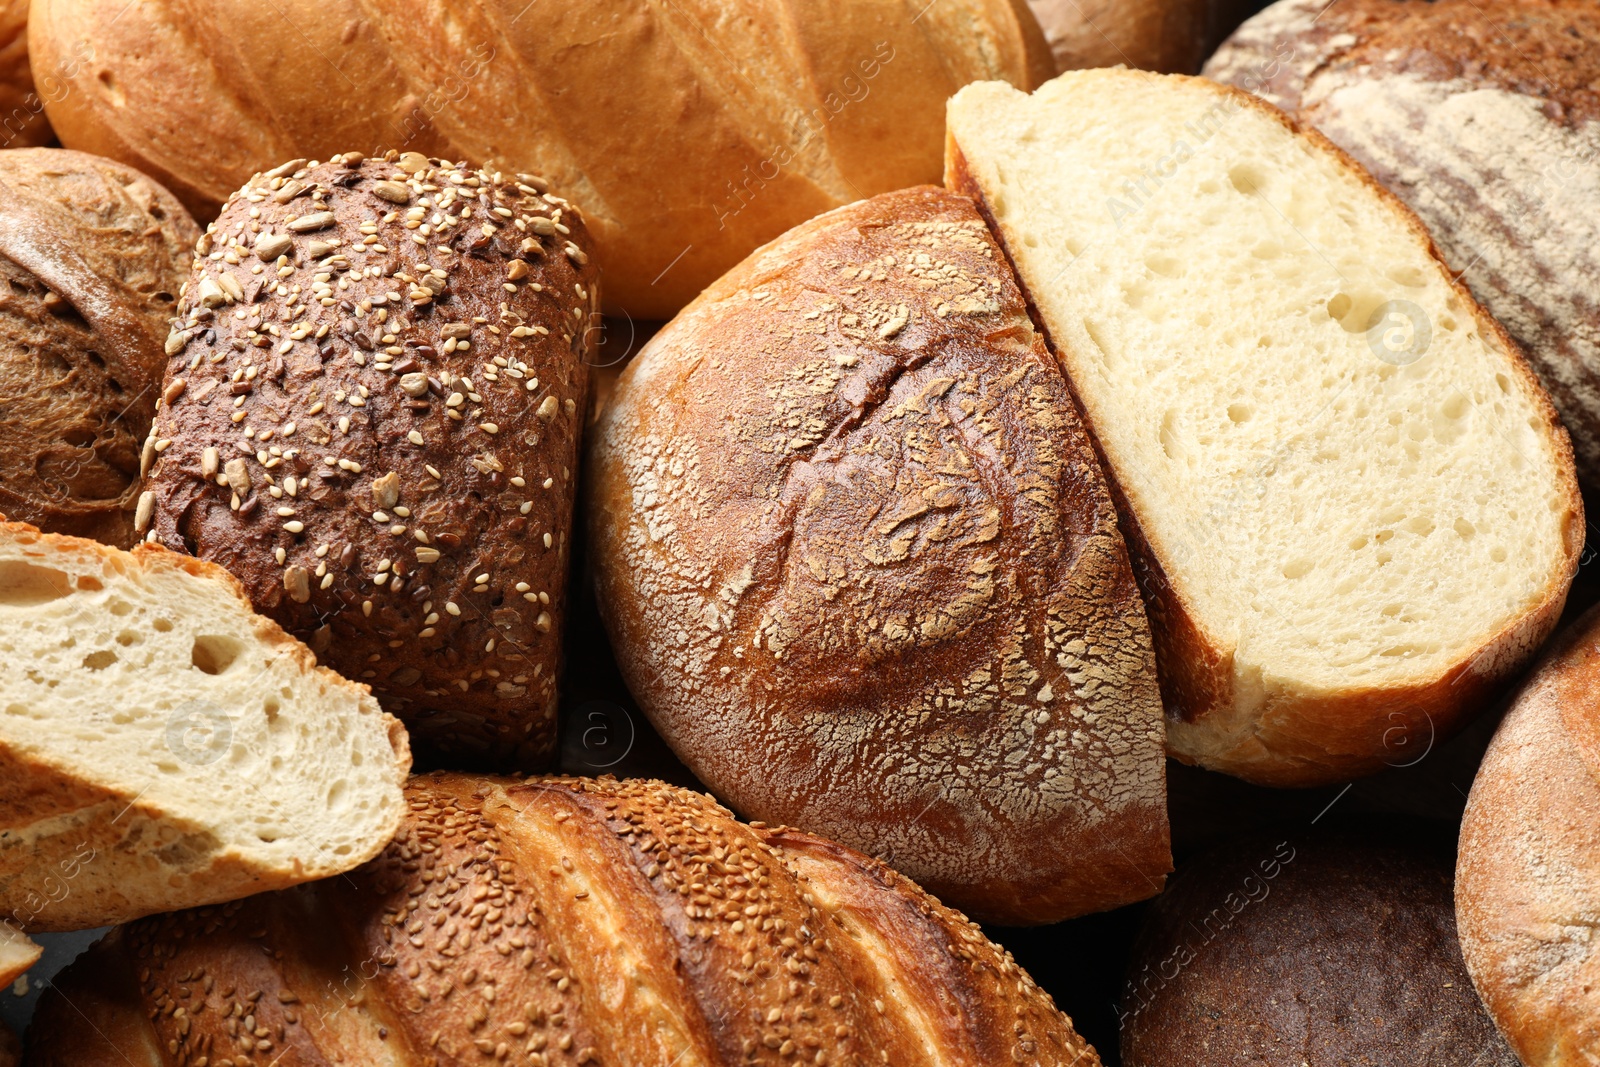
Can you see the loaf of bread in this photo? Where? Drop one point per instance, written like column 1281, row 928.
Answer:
column 1352, row 507
column 860, row 567
column 1484, row 117
column 1528, row 878
column 691, row 130
column 22, row 119
column 1170, row 36
column 17, row 952
column 162, row 746
column 564, row 921
column 1319, row 950
column 371, row 417
column 92, row 255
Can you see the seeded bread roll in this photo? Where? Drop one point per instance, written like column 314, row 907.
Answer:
column 373, row 409
column 691, row 130
column 1528, row 877
column 22, row 119
column 92, row 255
column 1484, row 117
column 565, row 921
column 861, row 569
column 1322, row 949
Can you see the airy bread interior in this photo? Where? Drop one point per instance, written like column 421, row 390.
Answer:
column 146, row 680
column 1347, row 474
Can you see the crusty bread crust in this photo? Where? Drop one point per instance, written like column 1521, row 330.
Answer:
column 1528, row 876
column 569, row 921
column 691, row 131
column 78, row 853
column 876, row 587
column 1308, row 739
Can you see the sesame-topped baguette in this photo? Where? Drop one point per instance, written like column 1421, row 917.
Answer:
column 371, row 417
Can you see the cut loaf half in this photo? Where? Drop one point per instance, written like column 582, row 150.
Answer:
column 17, row 953
column 1352, row 508
column 163, row 747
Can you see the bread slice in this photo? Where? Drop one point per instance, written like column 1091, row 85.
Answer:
column 17, row 954
column 162, row 746
column 1353, row 508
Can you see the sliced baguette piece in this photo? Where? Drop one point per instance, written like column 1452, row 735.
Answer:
column 1353, row 508
column 17, row 953
column 162, row 746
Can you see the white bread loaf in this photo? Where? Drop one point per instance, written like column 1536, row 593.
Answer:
column 1528, row 873
column 1484, row 117
column 1353, row 507
column 162, row 746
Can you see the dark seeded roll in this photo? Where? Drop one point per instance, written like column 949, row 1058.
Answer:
column 1328, row 949
column 92, row 254
column 372, row 415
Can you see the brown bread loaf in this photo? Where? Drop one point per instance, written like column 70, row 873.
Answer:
column 22, row 119
column 1484, row 117
column 1528, row 877
column 92, row 254
column 373, row 409
column 1322, row 949
column 690, row 130
column 564, row 921
column 10, row 1051
column 860, row 567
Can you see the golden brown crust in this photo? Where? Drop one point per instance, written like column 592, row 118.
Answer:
column 1528, row 876
column 78, row 853
column 92, row 255
column 567, row 921
column 735, row 122
column 883, row 562
column 22, row 119
column 406, row 450
column 1160, row 35
column 1300, row 739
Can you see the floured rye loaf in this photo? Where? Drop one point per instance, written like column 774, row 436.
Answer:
column 564, row 921
column 162, row 746
column 92, row 255
column 1353, row 508
column 861, row 570
column 1484, row 117
column 372, row 415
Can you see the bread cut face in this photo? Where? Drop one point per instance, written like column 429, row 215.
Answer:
column 162, row 746
column 1353, row 507
column 17, row 953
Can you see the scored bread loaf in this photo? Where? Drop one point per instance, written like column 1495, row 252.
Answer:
column 17, row 952
column 1318, row 949
column 1528, row 876
column 22, row 120
column 162, row 746
column 691, row 130
column 1352, row 507
column 860, row 568
column 371, row 417
column 564, row 921
column 92, row 255
column 1484, row 117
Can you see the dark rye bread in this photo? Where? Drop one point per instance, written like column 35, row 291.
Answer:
column 92, row 255
column 861, row 569
column 562, row 922
column 1322, row 949
column 1484, row 117
column 373, row 409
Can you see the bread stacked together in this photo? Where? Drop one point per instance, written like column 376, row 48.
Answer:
column 923, row 536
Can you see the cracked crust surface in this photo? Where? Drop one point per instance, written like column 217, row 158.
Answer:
column 1528, row 877
column 861, row 568
column 562, row 922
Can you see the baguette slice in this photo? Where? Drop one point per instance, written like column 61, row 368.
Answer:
column 1353, row 508
column 17, row 954
column 162, row 746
